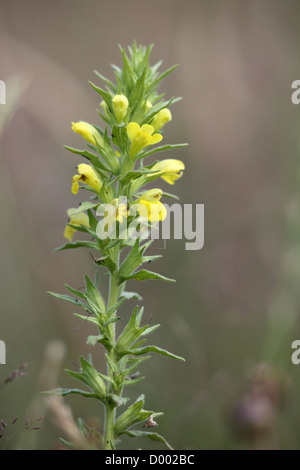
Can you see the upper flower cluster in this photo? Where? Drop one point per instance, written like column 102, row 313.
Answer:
column 135, row 117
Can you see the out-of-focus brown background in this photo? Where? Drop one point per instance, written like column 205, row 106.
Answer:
column 234, row 311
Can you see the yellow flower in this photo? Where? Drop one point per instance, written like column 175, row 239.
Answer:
column 141, row 137
column 171, row 169
column 87, row 175
column 120, row 105
column 88, row 132
column 152, row 195
column 154, row 211
column 149, row 206
column 161, row 119
column 75, row 219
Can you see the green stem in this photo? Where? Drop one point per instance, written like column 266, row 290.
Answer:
column 110, row 409
column 109, row 427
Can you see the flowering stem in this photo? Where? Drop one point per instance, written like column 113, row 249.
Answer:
column 111, row 329
column 109, row 423
column 109, row 427
column 115, row 173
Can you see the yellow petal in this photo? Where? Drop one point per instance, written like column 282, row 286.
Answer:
column 152, row 195
column 89, row 176
column 88, row 132
column 147, row 128
column 154, row 211
column 75, row 184
column 171, row 177
column 132, row 130
column 155, row 139
column 69, row 232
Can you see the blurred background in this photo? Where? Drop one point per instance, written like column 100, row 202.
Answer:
column 234, row 311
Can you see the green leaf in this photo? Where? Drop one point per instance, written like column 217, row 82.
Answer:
column 93, row 340
column 88, row 318
column 132, row 261
column 150, row 329
column 75, row 291
column 156, row 82
column 136, row 363
column 93, row 221
column 134, row 414
column 111, row 320
column 172, row 196
column 71, row 391
column 67, row 298
column 149, row 349
column 106, row 80
column 83, row 207
column 93, row 296
column 120, row 138
column 106, row 261
column 107, row 97
column 131, row 295
column 138, row 92
column 132, row 381
column 130, row 334
column 128, row 75
column 78, row 244
column 144, row 274
column 93, row 159
column 111, row 363
column 116, row 400
column 114, row 308
column 162, row 148
column 89, row 376
column 151, row 435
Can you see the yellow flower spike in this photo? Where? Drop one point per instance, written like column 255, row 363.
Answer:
column 86, row 175
column 141, row 137
column 120, row 105
column 171, row 169
column 88, row 132
column 75, row 219
column 161, row 119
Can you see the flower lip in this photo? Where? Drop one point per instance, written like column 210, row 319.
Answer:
column 86, row 175
column 141, row 137
column 75, row 219
column 170, row 169
column 153, row 211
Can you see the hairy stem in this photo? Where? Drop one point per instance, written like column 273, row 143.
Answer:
column 110, row 408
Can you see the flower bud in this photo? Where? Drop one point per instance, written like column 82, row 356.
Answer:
column 88, row 132
column 120, row 105
column 161, row 119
